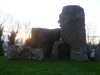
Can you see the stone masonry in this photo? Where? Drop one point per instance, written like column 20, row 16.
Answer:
column 72, row 23
column 45, row 38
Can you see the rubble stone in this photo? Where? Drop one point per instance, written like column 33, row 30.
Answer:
column 13, row 52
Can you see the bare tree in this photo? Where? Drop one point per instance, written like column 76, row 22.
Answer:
column 4, row 19
column 24, row 30
column 91, row 33
column 27, row 30
column 28, row 33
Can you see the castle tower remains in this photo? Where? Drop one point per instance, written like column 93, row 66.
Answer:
column 72, row 23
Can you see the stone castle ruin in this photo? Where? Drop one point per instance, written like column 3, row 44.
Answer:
column 72, row 34
column 67, row 42
column 72, row 23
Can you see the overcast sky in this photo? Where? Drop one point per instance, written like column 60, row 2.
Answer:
column 45, row 13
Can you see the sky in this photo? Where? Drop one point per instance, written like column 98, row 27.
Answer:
column 45, row 13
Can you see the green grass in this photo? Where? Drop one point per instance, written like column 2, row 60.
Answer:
column 48, row 67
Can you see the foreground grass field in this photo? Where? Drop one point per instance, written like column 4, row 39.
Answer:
column 48, row 67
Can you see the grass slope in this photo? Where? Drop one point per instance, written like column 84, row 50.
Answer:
column 48, row 67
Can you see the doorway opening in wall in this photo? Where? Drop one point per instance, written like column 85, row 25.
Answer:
column 64, row 51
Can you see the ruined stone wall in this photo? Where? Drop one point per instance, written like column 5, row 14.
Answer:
column 40, row 36
column 40, row 39
column 54, row 36
column 72, row 23
column 45, row 38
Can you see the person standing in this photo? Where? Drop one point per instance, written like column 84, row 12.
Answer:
column 92, row 55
